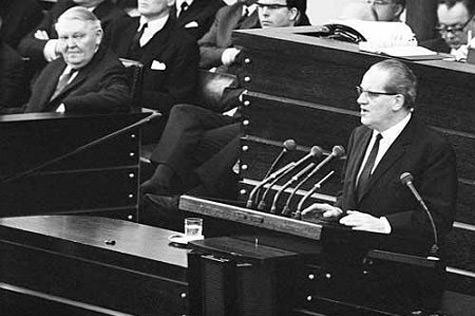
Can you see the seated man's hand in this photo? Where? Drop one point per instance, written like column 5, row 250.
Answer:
column 229, row 55
column 363, row 221
column 41, row 35
column 322, row 211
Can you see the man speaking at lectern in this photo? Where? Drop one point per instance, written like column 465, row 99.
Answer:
column 392, row 141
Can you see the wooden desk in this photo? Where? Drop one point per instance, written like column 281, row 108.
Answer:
column 105, row 266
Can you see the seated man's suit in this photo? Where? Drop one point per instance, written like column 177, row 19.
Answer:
column 428, row 157
column 213, row 43
column 198, row 17
column 99, row 87
column 170, row 62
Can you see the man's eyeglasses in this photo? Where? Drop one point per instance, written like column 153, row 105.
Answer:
column 456, row 29
column 360, row 91
column 271, row 6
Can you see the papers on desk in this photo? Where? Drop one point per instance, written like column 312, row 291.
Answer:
column 406, row 52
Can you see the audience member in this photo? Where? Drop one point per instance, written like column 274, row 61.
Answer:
column 196, row 16
column 375, row 10
column 455, row 22
column 199, row 147
column 11, row 76
column 19, row 19
column 41, row 45
column 392, row 141
column 170, row 55
column 216, row 48
column 88, row 78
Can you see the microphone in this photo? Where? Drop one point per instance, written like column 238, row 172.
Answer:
column 289, row 144
column 318, row 185
column 406, row 179
column 315, row 151
column 337, row 152
column 293, row 179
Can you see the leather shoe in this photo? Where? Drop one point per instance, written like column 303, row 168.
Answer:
column 148, row 187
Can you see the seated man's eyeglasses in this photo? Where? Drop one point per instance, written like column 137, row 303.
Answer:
column 360, row 91
column 455, row 29
column 271, row 6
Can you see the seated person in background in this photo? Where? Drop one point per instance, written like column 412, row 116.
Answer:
column 216, row 47
column 19, row 18
column 375, row 10
column 199, row 147
column 41, row 45
column 11, row 75
column 170, row 55
column 392, row 141
column 88, row 79
column 455, row 22
column 196, row 16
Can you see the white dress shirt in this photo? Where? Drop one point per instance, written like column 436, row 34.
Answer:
column 153, row 26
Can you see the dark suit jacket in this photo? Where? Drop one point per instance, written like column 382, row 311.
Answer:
column 197, row 19
column 428, row 157
column 170, row 62
column 100, row 87
column 11, row 77
column 33, row 48
column 19, row 18
column 437, row 44
column 213, row 43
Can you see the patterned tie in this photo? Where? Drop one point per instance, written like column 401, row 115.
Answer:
column 62, row 83
column 368, row 167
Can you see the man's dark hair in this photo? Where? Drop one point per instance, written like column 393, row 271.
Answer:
column 403, row 80
column 301, row 6
column 469, row 4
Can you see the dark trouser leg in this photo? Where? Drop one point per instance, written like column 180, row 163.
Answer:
column 181, row 136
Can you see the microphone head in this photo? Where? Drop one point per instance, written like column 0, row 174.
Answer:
column 406, row 178
column 290, row 144
column 316, row 151
column 338, row 151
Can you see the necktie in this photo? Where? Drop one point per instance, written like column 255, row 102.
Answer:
column 134, row 47
column 184, row 6
column 366, row 173
column 62, row 83
column 243, row 17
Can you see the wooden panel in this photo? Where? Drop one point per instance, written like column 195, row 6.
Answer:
column 70, row 191
column 106, row 263
column 53, row 163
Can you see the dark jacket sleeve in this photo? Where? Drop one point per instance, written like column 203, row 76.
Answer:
column 32, row 47
column 111, row 93
column 11, row 76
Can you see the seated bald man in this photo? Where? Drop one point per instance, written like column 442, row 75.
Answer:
column 88, row 78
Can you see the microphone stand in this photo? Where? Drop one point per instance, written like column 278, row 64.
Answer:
column 273, row 209
column 318, row 185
